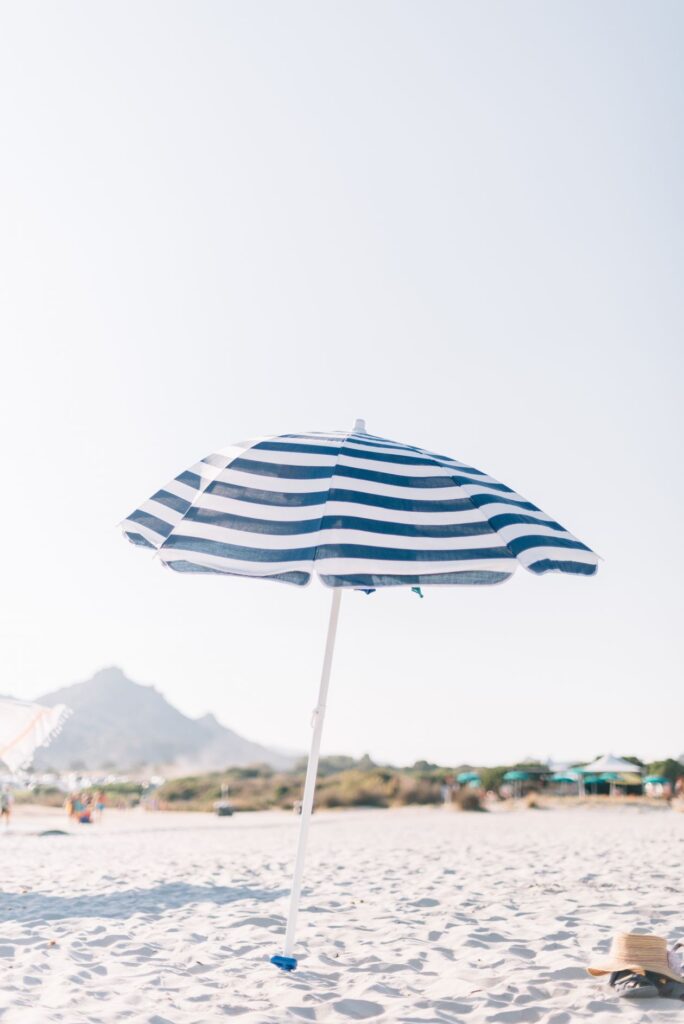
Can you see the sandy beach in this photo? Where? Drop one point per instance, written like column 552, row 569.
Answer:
column 412, row 916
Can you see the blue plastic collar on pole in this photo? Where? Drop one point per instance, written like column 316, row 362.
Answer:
column 285, row 963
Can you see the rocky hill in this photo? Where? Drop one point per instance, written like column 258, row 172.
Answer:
column 119, row 724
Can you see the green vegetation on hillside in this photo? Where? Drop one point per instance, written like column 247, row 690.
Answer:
column 45, row 796
column 118, row 794
column 342, row 782
column 345, row 782
column 669, row 769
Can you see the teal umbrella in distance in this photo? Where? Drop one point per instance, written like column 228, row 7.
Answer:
column 564, row 777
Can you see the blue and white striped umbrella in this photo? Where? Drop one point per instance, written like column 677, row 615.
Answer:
column 359, row 511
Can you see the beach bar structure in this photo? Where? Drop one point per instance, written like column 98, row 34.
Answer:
column 611, row 771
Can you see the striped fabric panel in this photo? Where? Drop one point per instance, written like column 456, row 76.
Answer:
column 154, row 521
column 360, row 511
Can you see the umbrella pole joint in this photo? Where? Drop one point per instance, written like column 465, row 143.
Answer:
column 286, row 961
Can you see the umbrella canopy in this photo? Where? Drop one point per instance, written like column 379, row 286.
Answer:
column 564, row 777
column 656, row 780
column 464, row 777
column 24, row 727
column 517, row 776
column 357, row 510
column 609, row 764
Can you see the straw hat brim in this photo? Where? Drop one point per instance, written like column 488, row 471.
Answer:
column 645, row 964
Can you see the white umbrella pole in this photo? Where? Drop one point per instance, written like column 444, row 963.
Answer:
column 287, row 961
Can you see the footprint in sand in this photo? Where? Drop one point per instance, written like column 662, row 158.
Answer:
column 564, row 974
column 358, row 1009
column 522, row 951
column 528, row 1016
column 304, row 1012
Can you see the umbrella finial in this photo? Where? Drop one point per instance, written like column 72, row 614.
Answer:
column 360, row 427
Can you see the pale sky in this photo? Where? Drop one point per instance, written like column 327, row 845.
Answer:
column 461, row 221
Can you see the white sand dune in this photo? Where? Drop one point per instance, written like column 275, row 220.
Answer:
column 414, row 916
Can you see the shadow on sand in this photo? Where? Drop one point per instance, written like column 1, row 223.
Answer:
column 38, row 906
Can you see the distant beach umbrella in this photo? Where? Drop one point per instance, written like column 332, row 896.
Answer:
column 359, row 511
column 24, row 727
column 465, row 777
column 517, row 777
column 564, row 777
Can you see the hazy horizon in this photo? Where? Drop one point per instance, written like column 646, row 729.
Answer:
column 461, row 222
column 291, row 752
column 302, row 753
